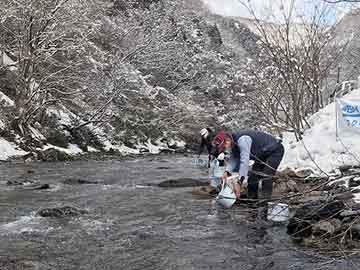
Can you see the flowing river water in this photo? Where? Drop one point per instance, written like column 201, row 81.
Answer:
column 130, row 225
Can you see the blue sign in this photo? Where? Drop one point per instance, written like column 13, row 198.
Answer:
column 351, row 110
column 348, row 114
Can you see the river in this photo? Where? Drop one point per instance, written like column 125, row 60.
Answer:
column 130, row 225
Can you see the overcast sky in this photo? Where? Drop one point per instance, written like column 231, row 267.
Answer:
column 264, row 7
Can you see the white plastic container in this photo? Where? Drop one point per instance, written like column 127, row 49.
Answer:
column 217, row 170
column 226, row 196
column 215, row 173
column 278, row 212
column 200, row 163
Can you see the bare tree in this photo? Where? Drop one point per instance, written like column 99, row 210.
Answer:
column 51, row 42
column 296, row 54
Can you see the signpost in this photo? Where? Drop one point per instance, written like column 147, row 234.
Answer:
column 347, row 115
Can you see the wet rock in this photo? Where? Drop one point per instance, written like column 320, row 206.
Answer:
column 290, row 173
column 345, row 168
column 77, row 181
column 354, row 182
column 41, row 187
column 349, row 213
column 183, row 182
column 205, row 192
column 163, row 168
column 280, row 187
column 304, row 173
column 286, row 173
column 19, row 182
column 28, row 184
column 320, row 210
column 285, row 186
column 345, row 196
column 298, row 228
column 313, row 196
column 59, row 212
column 336, row 187
column 292, row 186
column 300, row 225
column 328, row 227
column 315, row 193
column 337, row 184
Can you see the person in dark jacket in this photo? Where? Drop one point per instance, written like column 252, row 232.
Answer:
column 245, row 145
column 206, row 138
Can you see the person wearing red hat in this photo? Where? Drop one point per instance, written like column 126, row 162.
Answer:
column 245, row 145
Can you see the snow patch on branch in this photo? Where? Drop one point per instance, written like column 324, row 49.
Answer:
column 7, row 102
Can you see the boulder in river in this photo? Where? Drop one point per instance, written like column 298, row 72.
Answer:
column 59, row 212
column 183, row 182
column 20, row 182
column 355, row 231
column 78, row 181
column 38, row 187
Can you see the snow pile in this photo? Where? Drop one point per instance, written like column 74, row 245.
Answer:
column 319, row 143
column 8, row 149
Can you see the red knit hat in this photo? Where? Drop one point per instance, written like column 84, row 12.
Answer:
column 219, row 141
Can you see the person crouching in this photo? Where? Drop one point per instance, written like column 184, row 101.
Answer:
column 245, row 145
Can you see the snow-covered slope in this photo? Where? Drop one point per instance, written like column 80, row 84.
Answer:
column 319, row 149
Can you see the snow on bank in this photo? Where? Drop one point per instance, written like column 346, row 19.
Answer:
column 320, row 142
column 8, row 149
column 72, row 149
column 5, row 100
column 7, row 61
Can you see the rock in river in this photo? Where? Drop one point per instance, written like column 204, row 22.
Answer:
column 65, row 211
column 76, row 181
column 183, row 182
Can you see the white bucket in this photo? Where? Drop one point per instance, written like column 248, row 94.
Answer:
column 278, row 212
column 226, row 196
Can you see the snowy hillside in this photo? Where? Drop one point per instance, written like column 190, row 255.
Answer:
column 120, row 90
column 320, row 146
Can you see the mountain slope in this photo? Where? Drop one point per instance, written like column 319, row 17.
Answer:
column 151, row 72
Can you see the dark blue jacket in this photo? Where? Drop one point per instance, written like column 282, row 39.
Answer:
column 249, row 144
